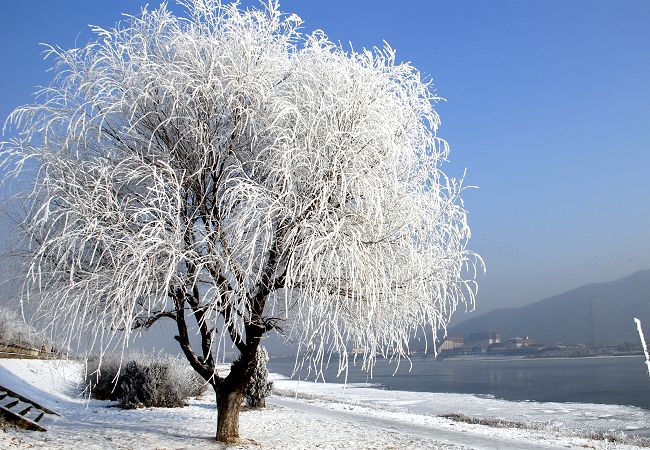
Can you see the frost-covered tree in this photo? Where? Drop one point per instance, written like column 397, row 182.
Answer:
column 14, row 331
column 224, row 169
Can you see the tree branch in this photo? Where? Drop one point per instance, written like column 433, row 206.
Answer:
column 146, row 323
column 206, row 371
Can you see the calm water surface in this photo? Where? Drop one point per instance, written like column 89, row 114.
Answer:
column 608, row 380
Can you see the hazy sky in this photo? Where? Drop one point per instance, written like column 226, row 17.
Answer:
column 548, row 108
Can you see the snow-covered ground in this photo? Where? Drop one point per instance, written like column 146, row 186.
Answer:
column 550, row 415
column 302, row 415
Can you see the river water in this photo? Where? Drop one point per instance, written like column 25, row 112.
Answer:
column 606, row 380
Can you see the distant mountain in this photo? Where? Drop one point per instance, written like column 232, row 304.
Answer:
column 599, row 313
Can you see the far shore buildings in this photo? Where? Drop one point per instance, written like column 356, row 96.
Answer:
column 484, row 338
column 519, row 342
column 486, row 342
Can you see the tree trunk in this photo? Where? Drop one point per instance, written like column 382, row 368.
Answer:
column 228, row 406
column 230, row 391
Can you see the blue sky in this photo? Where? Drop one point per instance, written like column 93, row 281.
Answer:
column 547, row 106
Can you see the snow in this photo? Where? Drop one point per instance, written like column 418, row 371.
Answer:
column 300, row 415
column 574, row 416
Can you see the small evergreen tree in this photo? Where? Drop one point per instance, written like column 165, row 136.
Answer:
column 259, row 385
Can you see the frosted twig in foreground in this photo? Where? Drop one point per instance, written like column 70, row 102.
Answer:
column 643, row 343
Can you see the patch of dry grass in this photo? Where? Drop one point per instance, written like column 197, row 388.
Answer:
column 614, row 438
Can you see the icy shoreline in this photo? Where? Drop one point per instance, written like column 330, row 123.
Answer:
column 581, row 417
column 301, row 415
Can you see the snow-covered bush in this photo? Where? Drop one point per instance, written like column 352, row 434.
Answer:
column 259, row 386
column 143, row 380
column 147, row 385
column 100, row 380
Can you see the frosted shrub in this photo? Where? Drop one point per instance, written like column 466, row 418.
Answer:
column 140, row 385
column 100, row 383
column 143, row 380
column 259, row 385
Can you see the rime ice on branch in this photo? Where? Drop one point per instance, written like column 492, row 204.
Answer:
column 643, row 344
column 224, row 168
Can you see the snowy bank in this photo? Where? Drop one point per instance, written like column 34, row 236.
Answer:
column 332, row 417
column 581, row 417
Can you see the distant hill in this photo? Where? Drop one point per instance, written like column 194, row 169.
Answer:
column 599, row 313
